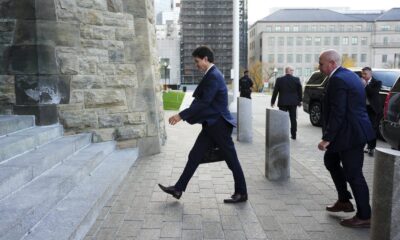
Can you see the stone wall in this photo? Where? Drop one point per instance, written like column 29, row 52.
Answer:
column 95, row 60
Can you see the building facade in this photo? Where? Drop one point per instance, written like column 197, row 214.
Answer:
column 297, row 36
column 206, row 22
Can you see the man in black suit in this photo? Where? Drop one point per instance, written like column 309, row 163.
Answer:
column 290, row 96
column 374, row 104
column 210, row 109
column 346, row 129
column 245, row 85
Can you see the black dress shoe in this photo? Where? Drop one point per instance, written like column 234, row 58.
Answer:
column 236, row 198
column 171, row 190
column 293, row 137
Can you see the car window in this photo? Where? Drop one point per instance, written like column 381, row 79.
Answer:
column 386, row 77
column 316, row 78
column 396, row 87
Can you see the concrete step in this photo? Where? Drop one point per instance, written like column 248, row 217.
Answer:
column 23, row 141
column 20, row 170
column 76, row 213
column 24, row 208
column 13, row 123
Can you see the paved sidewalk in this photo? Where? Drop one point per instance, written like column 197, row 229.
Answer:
column 275, row 210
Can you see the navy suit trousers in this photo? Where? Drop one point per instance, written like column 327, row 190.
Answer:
column 346, row 166
column 218, row 134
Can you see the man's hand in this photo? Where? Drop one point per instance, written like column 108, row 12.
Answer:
column 323, row 145
column 174, row 119
column 272, row 105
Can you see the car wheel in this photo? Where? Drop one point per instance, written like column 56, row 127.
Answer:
column 315, row 114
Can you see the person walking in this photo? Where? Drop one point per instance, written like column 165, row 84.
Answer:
column 245, row 85
column 289, row 90
column 374, row 105
column 210, row 109
column 346, row 129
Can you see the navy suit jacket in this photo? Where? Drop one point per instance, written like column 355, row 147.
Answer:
column 289, row 89
column 345, row 119
column 210, row 101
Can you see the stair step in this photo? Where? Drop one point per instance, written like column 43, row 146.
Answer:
column 76, row 213
column 23, row 209
column 20, row 142
column 13, row 123
column 23, row 169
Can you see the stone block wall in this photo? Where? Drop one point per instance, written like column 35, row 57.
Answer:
column 95, row 59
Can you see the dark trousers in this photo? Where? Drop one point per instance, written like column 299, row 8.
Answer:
column 346, row 166
column 292, row 115
column 245, row 93
column 219, row 134
column 375, row 118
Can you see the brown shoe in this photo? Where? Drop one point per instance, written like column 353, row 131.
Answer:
column 340, row 207
column 355, row 222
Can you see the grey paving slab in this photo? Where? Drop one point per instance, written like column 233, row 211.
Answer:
column 293, row 209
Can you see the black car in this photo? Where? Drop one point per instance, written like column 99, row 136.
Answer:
column 315, row 86
column 390, row 125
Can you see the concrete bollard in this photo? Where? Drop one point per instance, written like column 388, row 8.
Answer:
column 385, row 223
column 244, row 121
column 277, row 145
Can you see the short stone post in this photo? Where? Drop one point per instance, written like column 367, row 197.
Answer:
column 385, row 223
column 244, row 121
column 277, row 145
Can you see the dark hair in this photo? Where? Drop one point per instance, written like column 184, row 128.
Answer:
column 246, row 71
column 366, row 69
column 202, row 52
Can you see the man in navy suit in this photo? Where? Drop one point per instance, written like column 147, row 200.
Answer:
column 210, row 109
column 346, row 129
column 290, row 96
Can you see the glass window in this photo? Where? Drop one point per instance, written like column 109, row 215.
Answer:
column 331, row 28
column 280, row 72
column 385, row 40
column 290, row 41
column 307, row 72
column 281, row 41
column 271, row 58
column 271, row 41
column 268, row 29
column 316, row 57
column 322, row 28
column 308, row 58
column 316, row 78
column 317, row 41
column 280, row 58
column 336, row 41
column 308, row 41
column 385, row 28
column 289, row 58
column 384, row 58
column 278, row 28
column 387, row 78
column 327, row 41
column 363, row 41
column 299, row 58
column 313, row 28
column 299, row 72
column 363, row 57
column 345, row 40
column 287, row 29
column 305, row 28
column 358, row 28
column 354, row 57
column 354, row 40
column 295, row 28
column 299, row 41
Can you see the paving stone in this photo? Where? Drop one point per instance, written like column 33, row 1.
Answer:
column 212, row 230
column 231, row 222
column 234, row 235
column 129, row 229
column 192, row 235
column 171, row 229
column 192, row 222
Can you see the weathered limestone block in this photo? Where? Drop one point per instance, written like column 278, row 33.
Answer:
column 91, row 17
column 88, row 65
column 115, row 120
column 99, row 98
column 106, row 69
column 126, row 69
column 66, row 9
column 79, row 120
column 76, row 97
column 130, row 132
column 114, row 19
column 124, row 34
column 7, row 94
column 93, row 4
column 277, row 149
column 115, row 5
column 136, row 118
column 103, row 134
column 122, row 81
column 87, row 82
column 68, row 63
column 116, row 56
column 386, row 195
column 103, row 33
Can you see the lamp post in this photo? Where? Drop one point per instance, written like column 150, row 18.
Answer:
column 165, row 64
column 275, row 72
